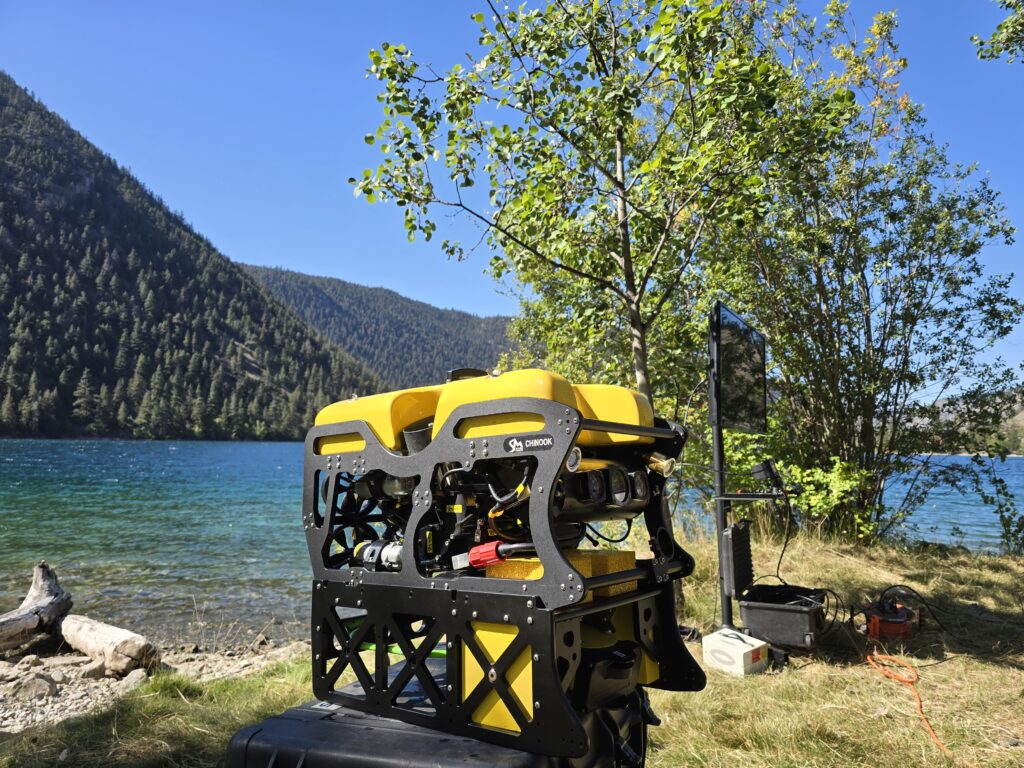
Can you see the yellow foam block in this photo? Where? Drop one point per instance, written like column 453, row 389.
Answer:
column 596, row 562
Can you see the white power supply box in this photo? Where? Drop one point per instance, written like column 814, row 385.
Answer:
column 734, row 652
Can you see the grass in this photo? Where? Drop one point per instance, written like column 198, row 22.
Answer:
column 830, row 709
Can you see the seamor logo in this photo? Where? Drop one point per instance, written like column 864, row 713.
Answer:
column 529, row 443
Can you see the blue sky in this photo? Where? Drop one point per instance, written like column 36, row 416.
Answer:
column 250, row 117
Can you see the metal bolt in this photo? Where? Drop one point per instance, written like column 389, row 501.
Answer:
column 485, row 443
column 472, row 444
column 317, row 657
column 450, row 689
column 529, row 603
column 524, row 587
column 572, row 576
column 474, row 614
column 455, row 612
column 562, row 586
column 536, row 657
column 579, row 587
column 492, row 674
column 359, row 603
column 536, row 705
column 505, row 617
column 450, row 645
column 529, row 619
column 572, row 597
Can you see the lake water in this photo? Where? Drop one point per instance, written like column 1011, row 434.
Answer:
column 194, row 540
column 180, row 538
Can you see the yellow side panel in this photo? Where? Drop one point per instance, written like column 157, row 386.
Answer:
column 589, row 562
column 387, row 413
column 605, row 402
column 493, row 640
column 529, row 382
column 351, row 441
column 520, row 681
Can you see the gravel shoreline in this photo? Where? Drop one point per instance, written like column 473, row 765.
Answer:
column 43, row 686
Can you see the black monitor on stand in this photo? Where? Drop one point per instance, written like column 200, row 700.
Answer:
column 737, row 400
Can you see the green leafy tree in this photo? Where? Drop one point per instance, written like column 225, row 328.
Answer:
column 1008, row 38
column 596, row 145
column 866, row 273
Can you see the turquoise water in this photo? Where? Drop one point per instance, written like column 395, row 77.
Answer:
column 163, row 535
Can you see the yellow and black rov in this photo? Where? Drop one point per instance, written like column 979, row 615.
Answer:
column 452, row 534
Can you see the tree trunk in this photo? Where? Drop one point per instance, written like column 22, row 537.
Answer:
column 44, row 605
column 120, row 650
column 637, row 329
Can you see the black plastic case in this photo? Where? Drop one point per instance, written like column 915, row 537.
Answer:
column 784, row 614
column 322, row 735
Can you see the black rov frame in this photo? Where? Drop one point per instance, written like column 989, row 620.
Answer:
column 410, row 614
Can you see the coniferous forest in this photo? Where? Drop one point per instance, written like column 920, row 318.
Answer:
column 116, row 318
column 408, row 343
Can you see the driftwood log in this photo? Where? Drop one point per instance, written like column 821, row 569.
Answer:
column 120, row 650
column 41, row 610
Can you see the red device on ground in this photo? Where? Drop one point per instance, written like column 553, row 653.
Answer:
column 890, row 620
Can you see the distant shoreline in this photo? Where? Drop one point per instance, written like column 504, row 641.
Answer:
column 130, row 439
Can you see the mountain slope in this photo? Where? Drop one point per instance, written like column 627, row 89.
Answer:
column 117, row 318
column 408, row 343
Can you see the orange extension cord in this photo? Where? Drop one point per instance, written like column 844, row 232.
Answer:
column 911, row 682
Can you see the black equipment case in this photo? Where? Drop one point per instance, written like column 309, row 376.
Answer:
column 325, row 735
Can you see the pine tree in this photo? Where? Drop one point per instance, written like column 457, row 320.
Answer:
column 9, row 413
column 83, row 404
